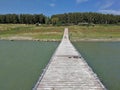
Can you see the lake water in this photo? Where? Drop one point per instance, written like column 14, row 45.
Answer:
column 104, row 58
column 21, row 63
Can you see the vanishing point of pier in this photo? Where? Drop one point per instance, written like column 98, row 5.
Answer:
column 67, row 70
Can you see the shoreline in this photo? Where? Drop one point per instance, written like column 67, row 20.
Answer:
column 97, row 40
column 42, row 40
column 55, row 40
column 28, row 39
column 58, row 40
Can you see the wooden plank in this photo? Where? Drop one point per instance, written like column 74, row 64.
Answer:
column 67, row 70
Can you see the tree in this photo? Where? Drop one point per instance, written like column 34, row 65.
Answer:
column 54, row 20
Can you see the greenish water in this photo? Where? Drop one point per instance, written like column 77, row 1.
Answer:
column 21, row 63
column 104, row 58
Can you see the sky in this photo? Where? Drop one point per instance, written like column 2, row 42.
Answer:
column 50, row 7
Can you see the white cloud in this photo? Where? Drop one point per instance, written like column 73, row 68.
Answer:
column 107, row 4
column 52, row 5
column 81, row 1
column 115, row 12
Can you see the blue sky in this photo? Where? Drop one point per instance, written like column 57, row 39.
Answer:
column 50, row 7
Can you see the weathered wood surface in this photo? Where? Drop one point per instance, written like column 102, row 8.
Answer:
column 67, row 70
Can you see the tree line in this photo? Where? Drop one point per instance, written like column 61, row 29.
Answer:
column 22, row 18
column 61, row 19
column 89, row 17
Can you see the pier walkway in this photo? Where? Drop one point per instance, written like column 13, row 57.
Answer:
column 67, row 70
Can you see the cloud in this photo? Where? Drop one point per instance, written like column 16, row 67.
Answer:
column 115, row 12
column 81, row 1
column 107, row 4
column 52, row 5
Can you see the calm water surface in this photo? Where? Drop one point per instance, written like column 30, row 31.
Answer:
column 21, row 63
column 104, row 58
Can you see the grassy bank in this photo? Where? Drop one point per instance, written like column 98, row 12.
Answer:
column 55, row 33
column 97, row 32
column 30, row 32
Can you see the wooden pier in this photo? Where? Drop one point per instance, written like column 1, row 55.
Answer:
column 67, row 70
